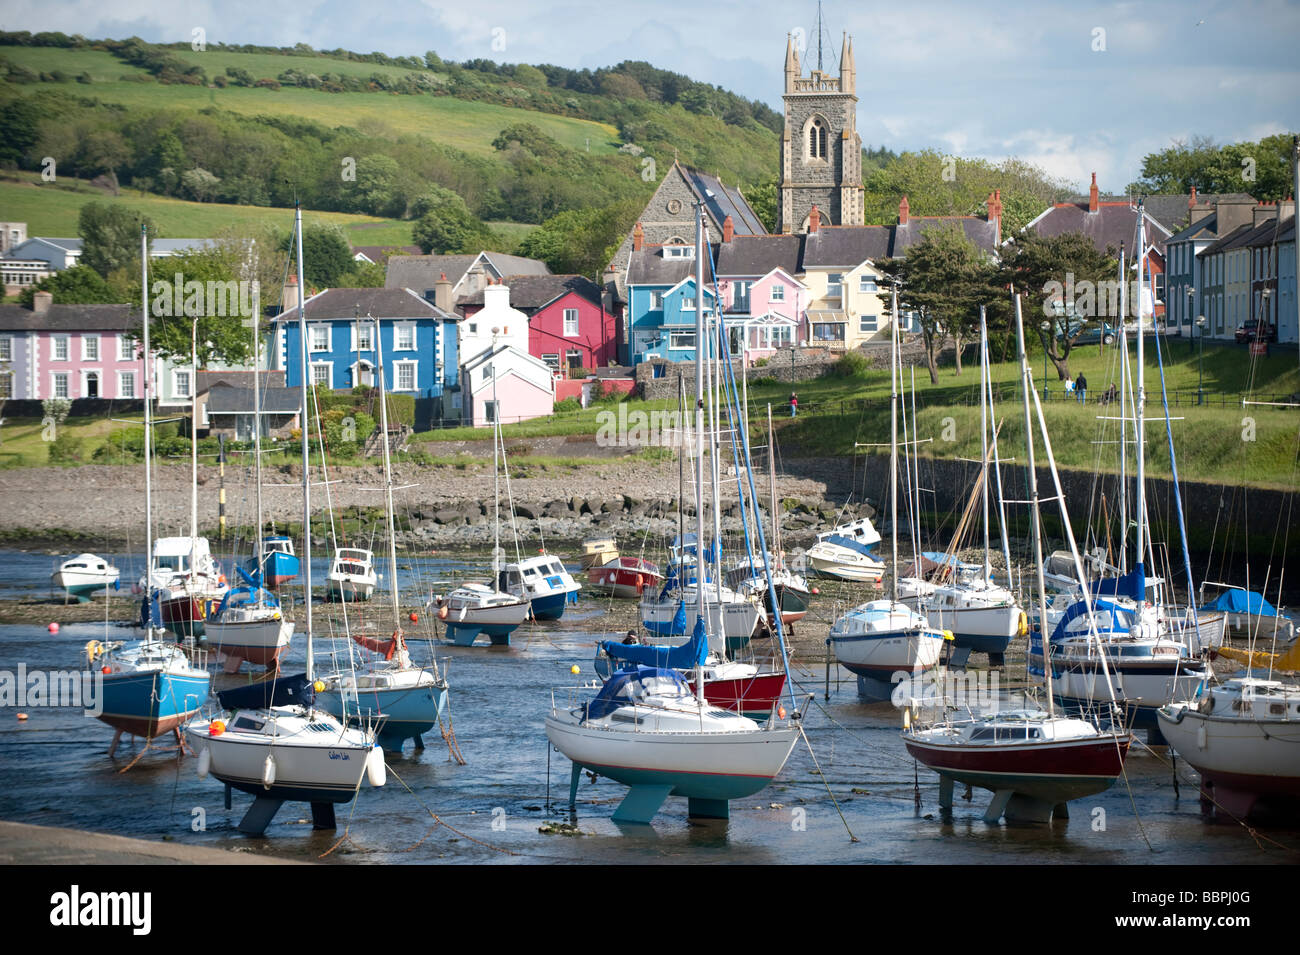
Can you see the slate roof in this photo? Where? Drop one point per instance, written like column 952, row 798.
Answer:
column 382, row 303
column 69, row 318
column 229, row 399
column 423, row 271
column 237, row 379
column 1234, row 239
column 379, row 254
column 1111, row 224
column 759, row 254
column 529, row 293
column 1169, row 210
column 649, row 267
column 983, row 233
column 723, row 201
column 1204, row 229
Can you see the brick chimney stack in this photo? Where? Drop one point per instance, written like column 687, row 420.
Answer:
column 638, row 238
column 289, row 297
column 1092, row 195
column 814, row 219
column 995, row 212
column 903, row 208
column 728, row 229
column 41, row 302
column 1191, row 201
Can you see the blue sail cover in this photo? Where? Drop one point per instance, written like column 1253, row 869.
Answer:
column 690, row 654
column 241, row 596
column 1079, row 608
column 282, row 691
column 848, row 543
column 614, row 694
column 1132, row 584
column 1241, row 601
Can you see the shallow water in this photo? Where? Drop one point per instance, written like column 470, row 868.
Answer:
column 57, row 772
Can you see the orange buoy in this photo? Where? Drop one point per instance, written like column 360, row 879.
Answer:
column 780, row 712
column 53, row 628
column 415, row 617
column 22, row 717
column 105, row 670
column 216, row 728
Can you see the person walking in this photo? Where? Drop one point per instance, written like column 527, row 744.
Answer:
column 794, row 404
column 1081, row 388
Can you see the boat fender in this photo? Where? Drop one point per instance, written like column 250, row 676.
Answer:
column 376, row 770
column 442, row 612
column 221, row 578
column 268, row 771
column 216, row 727
column 93, row 649
column 949, row 636
column 319, row 686
column 907, row 718
column 1022, row 627
column 205, row 762
column 1202, row 738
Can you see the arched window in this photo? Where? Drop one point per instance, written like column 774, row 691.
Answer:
column 817, row 139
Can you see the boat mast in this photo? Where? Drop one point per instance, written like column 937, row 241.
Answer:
column 306, row 417
column 1026, row 381
column 388, row 476
column 1139, row 415
column 699, row 434
column 194, row 447
column 984, row 438
column 771, row 483
column 257, row 456
column 148, row 431
column 893, row 445
column 1123, row 410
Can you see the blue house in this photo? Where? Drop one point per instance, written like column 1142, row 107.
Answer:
column 661, row 302
column 418, row 340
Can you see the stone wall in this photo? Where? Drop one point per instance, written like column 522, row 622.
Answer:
column 808, row 363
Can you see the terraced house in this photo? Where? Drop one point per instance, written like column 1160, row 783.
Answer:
column 419, row 343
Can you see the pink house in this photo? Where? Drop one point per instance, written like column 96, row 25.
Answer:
column 507, row 385
column 70, row 351
column 763, row 304
column 568, row 324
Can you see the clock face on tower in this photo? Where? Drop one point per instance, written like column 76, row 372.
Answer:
column 674, row 206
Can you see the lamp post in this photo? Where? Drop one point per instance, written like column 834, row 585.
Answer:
column 1046, row 327
column 1201, row 322
column 1191, row 303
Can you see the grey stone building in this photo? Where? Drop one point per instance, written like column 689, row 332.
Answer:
column 821, row 151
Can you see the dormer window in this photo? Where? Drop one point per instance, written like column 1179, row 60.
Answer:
column 679, row 252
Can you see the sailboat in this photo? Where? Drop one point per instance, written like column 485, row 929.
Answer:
column 1033, row 761
column 646, row 729
column 248, row 624
column 880, row 638
column 1114, row 619
column 404, row 700
column 148, row 687
column 272, row 741
column 982, row 615
column 476, row 609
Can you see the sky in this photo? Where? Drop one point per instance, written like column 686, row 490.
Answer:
column 1073, row 87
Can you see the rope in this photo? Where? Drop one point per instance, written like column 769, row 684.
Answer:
column 834, row 801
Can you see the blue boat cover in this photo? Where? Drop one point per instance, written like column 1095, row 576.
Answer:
column 239, row 596
column 849, row 543
column 282, row 691
column 951, row 559
column 690, row 654
column 1132, row 584
column 1241, row 601
column 611, row 698
column 1079, row 608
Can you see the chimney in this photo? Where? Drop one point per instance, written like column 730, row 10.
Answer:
column 995, row 213
column 1285, row 208
column 1264, row 212
column 814, row 219
column 902, row 211
column 289, row 297
column 442, row 293
column 1231, row 215
column 728, row 229
column 1092, row 195
column 41, row 302
column 1191, row 202
column 638, row 238
column 496, row 297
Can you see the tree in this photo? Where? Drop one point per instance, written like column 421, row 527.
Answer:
column 764, row 199
column 209, row 291
column 1260, row 169
column 78, row 285
column 326, row 255
column 446, row 225
column 200, row 183
column 110, row 236
column 943, row 278
column 1068, row 282
column 581, row 241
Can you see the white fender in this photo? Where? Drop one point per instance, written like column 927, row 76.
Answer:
column 376, row 769
column 268, row 771
column 205, row 762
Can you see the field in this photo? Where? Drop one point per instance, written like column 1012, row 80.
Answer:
column 464, row 124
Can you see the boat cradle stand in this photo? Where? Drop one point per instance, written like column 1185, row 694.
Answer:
column 642, row 802
column 264, row 808
column 1016, row 807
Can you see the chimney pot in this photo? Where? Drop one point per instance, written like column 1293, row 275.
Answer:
column 638, row 238
column 903, row 209
column 814, row 219
column 728, row 229
column 1093, row 204
column 41, row 302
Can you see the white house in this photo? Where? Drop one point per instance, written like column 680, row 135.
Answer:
column 476, row 331
column 507, row 383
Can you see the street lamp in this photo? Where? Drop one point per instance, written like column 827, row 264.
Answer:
column 1201, row 322
column 1191, row 301
column 1047, row 327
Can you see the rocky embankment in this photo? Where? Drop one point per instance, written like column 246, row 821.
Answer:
column 435, row 506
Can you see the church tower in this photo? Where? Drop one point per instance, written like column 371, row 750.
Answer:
column 821, row 151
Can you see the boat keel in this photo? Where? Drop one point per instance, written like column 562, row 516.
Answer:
column 642, row 803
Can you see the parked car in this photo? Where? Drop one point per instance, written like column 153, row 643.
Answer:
column 1253, row 330
column 1097, row 332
